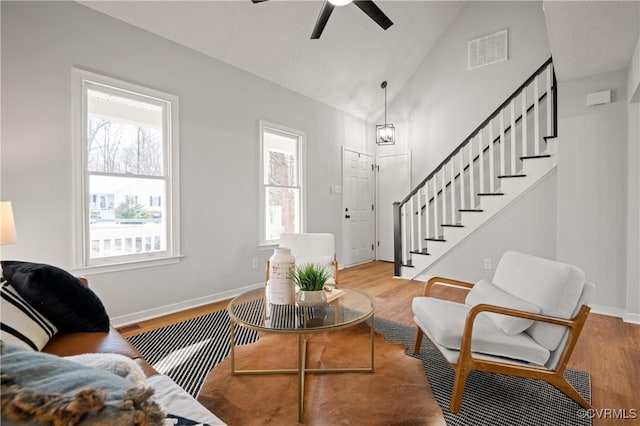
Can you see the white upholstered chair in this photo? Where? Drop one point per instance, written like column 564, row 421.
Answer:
column 318, row 248
column 525, row 322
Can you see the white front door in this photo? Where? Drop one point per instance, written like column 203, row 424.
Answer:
column 393, row 184
column 357, row 203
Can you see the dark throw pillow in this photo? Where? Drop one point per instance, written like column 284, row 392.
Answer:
column 58, row 295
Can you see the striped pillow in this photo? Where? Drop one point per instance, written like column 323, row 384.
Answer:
column 21, row 324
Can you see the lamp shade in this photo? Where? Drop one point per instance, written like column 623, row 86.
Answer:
column 7, row 225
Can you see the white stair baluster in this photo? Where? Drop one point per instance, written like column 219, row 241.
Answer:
column 549, row 100
column 444, row 194
column 536, row 117
column 427, row 216
column 524, row 122
column 502, row 143
column 436, row 206
column 492, row 184
column 472, row 188
column 452, row 169
column 481, row 160
column 419, row 218
column 512, row 160
column 461, row 170
column 412, row 223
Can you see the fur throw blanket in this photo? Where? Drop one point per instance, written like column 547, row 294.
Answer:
column 44, row 389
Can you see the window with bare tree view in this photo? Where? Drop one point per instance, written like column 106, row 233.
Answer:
column 126, row 156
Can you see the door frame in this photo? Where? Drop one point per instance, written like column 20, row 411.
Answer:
column 345, row 246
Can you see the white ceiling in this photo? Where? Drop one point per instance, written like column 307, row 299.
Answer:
column 590, row 37
column 345, row 67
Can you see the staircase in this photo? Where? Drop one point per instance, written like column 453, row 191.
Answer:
column 508, row 154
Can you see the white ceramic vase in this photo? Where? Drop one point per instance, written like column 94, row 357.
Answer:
column 281, row 288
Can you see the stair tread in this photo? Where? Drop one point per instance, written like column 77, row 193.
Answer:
column 424, row 251
column 471, row 210
column 441, row 240
column 549, row 137
column 482, row 194
column 452, row 225
column 529, row 157
column 511, row 176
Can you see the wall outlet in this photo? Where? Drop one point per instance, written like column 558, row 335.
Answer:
column 487, row 264
column 254, row 263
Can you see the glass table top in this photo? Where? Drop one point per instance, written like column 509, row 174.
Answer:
column 251, row 310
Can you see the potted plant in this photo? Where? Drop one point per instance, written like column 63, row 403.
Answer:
column 310, row 279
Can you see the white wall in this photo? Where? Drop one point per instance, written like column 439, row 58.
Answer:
column 220, row 107
column 528, row 225
column 592, row 184
column 443, row 102
column 633, row 189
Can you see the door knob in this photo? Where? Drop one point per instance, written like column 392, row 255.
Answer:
column 346, row 216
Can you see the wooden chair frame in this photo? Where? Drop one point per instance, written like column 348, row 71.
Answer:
column 466, row 362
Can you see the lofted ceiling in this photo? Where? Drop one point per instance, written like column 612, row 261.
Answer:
column 345, row 67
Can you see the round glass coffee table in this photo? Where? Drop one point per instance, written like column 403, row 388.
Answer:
column 348, row 308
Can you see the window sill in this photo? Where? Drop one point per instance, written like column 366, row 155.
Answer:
column 126, row 266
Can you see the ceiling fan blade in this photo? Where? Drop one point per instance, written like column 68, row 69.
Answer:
column 327, row 8
column 257, row 1
column 374, row 12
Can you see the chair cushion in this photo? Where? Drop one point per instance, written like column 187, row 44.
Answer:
column 445, row 321
column 22, row 325
column 553, row 286
column 485, row 292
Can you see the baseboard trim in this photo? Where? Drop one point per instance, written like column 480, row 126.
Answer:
column 180, row 306
column 612, row 311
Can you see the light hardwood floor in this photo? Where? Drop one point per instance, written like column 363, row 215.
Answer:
column 609, row 349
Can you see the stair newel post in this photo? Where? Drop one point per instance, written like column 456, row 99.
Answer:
column 524, row 122
column 472, row 197
column 502, row 145
column 549, row 98
column 461, row 172
column 481, row 160
column 397, row 240
column 436, row 206
column 536, row 117
column 492, row 183
column 405, row 236
column 452, row 173
column 512, row 112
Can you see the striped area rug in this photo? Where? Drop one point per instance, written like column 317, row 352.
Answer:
column 188, row 350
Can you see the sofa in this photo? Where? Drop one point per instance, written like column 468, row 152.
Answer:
column 29, row 364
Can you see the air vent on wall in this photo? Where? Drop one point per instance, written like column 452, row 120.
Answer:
column 488, row 49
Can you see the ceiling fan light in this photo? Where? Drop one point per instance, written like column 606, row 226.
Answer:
column 339, row 2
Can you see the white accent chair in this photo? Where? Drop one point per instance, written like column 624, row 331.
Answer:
column 525, row 323
column 317, row 248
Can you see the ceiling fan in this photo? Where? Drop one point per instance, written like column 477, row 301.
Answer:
column 367, row 6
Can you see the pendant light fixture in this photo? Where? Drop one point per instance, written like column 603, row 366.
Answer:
column 385, row 133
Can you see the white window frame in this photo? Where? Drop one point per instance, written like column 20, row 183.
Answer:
column 80, row 81
column 302, row 137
